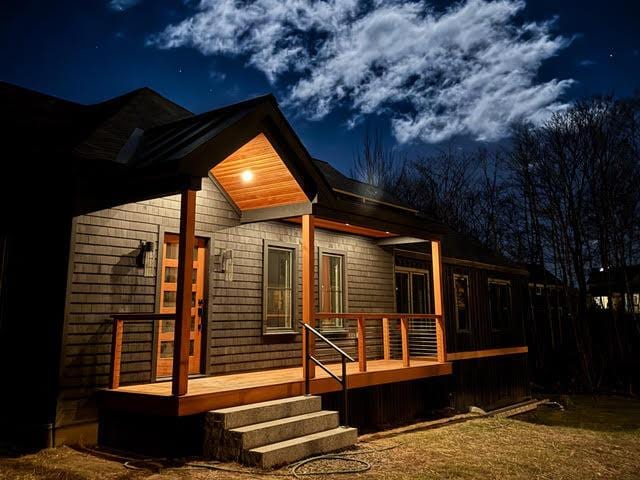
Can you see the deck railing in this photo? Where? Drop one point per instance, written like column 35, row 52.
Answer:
column 386, row 336
column 118, row 333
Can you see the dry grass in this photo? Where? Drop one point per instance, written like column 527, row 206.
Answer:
column 593, row 439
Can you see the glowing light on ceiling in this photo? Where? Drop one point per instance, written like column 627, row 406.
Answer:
column 247, row 176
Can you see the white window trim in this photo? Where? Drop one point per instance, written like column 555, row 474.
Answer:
column 345, row 285
column 294, row 287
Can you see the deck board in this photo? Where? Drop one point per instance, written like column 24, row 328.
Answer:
column 222, row 391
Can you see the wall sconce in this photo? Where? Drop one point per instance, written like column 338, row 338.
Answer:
column 223, row 263
column 144, row 259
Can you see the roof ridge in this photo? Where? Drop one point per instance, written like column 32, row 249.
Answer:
column 40, row 94
column 218, row 110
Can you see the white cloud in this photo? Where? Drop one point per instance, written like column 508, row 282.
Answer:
column 469, row 70
column 122, row 5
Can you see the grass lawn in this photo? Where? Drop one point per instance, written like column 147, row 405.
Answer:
column 594, row 438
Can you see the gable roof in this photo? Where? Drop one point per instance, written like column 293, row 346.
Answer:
column 117, row 118
column 142, row 145
column 340, row 183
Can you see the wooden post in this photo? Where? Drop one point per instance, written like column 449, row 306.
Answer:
column 436, row 260
column 404, row 331
column 183, row 295
column 362, row 345
column 386, row 344
column 308, row 302
column 116, row 353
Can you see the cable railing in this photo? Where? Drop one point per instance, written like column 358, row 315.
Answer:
column 341, row 380
column 385, row 336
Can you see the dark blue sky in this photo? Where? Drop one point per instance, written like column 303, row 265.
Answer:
column 87, row 52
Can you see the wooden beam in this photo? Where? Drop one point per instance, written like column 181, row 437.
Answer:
column 403, row 240
column 436, row 260
column 404, row 331
column 275, row 213
column 308, row 302
column 183, row 295
column 362, row 345
column 492, row 352
column 116, row 353
column 386, row 339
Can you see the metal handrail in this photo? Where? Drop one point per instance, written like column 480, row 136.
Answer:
column 344, row 356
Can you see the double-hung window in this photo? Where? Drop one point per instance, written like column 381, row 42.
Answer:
column 500, row 304
column 332, row 288
column 279, row 306
column 461, row 295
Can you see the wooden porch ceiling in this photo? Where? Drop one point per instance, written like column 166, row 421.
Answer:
column 211, row 393
column 346, row 227
column 255, row 176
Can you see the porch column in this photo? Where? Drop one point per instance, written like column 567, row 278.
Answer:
column 308, row 302
column 183, row 294
column 436, row 260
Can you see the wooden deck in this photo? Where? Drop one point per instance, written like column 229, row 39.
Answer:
column 208, row 393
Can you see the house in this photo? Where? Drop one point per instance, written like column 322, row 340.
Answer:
column 106, row 335
column 615, row 287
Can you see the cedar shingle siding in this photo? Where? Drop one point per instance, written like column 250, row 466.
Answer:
column 106, row 281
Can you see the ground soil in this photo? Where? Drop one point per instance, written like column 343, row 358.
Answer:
column 593, row 438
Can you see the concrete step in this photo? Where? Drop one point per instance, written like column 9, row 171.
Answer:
column 292, row 450
column 259, row 434
column 234, row 417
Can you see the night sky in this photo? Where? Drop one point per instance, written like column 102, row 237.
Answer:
column 88, row 51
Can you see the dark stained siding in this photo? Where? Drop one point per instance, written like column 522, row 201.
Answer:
column 384, row 406
column 491, row 382
column 106, row 281
column 481, row 335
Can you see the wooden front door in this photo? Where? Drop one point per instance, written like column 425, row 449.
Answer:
column 168, row 295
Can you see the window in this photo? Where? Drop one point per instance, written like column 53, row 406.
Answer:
column 500, row 304
column 332, row 287
column 279, row 288
column 461, row 289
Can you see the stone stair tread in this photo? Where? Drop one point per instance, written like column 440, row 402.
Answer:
column 243, row 415
column 283, row 421
column 338, row 431
column 255, row 406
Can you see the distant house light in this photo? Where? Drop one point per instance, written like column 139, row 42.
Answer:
column 602, row 269
column 247, row 176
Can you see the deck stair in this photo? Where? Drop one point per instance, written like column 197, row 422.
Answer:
column 275, row 433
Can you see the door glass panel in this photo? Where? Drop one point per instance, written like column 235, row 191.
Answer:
column 170, row 274
column 419, row 291
column 402, row 292
column 171, row 250
column 169, row 299
column 166, row 349
column 168, row 326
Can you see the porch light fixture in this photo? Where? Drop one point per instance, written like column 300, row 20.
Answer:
column 247, row 176
column 144, row 259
